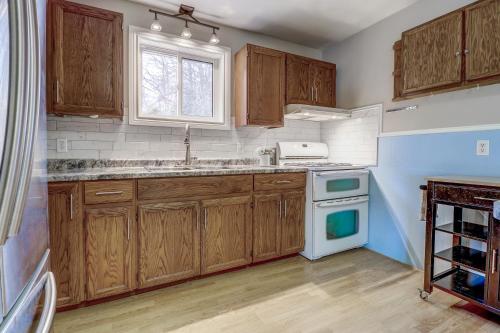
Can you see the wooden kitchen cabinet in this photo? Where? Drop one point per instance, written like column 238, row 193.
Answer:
column 226, row 234
column 432, row 54
column 310, row 81
column 293, row 225
column 482, row 42
column 259, row 86
column 279, row 222
column 66, row 242
column 493, row 280
column 169, row 242
column 84, row 60
column 459, row 50
column 267, row 226
column 110, row 236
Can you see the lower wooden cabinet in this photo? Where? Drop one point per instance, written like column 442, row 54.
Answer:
column 226, row 237
column 266, row 226
column 66, row 242
column 110, row 236
column 278, row 224
column 293, row 225
column 169, row 242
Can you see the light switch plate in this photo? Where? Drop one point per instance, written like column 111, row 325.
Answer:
column 483, row 148
column 62, row 145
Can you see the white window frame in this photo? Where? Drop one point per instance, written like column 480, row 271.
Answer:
column 219, row 56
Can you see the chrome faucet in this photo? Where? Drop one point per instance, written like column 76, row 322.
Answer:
column 187, row 142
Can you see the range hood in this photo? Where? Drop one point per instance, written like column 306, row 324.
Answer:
column 315, row 113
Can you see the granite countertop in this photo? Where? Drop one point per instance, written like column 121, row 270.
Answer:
column 468, row 180
column 75, row 170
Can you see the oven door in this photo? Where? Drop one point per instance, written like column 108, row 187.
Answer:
column 339, row 225
column 339, row 184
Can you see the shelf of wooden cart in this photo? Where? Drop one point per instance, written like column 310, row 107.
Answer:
column 464, row 256
column 462, row 282
column 466, row 229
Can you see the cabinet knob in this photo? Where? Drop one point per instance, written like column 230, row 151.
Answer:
column 466, row 51
column 458, row 53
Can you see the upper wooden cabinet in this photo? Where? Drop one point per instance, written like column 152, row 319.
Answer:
column 432, row 54
column 169, row 242
column 310, row 81
column 259, row 87
column 226, row 237
column 66, row 242
column 456, row 51
column 110, row 235
column 84, row 60
column 266, row 80
column 482, row 42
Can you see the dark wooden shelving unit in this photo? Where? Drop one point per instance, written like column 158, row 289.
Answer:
column 466, row 229
column 464, row 256
column 474, row 274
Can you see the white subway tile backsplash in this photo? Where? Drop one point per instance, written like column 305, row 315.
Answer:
column 116, row 139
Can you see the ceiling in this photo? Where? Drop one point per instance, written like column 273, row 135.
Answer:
column 313, row 23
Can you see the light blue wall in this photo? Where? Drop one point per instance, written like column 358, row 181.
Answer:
column 404, row 162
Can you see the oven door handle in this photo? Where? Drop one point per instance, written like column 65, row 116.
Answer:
column 341, row 202
column 342, row 174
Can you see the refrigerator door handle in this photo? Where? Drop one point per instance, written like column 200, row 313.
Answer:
column 49, row 306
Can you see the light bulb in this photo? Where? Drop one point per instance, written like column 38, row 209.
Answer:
column 186, row 32
column 156, row 26
column 214, row 39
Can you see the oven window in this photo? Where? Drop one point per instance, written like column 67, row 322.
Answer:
column 341, row 185
column 342, row 224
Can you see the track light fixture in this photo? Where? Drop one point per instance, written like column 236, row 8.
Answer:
column 185, row 14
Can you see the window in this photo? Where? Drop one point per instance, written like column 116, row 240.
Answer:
column 174, row 81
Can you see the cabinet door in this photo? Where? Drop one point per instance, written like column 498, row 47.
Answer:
column 267, row 215
column 109, row 251
column 292, row 231
column 298, row 80
column 493, row 276
column 432, row 54
column 266, row 87
column 169, row 242
column 84, row 74
column 66, row 242
column 482, row 40
column 226, row 237
column 323, row 78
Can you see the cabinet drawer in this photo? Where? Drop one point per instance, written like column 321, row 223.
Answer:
column 465, row 195
column 150, row 189
column 279, row 181
column 109, row 191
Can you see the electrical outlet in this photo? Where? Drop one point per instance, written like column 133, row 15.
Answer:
column 483, row 148
column 62, row 145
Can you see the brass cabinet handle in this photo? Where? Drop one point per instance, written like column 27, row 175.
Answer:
column 71, row 206
column 494, row 262
column 108, row 193
column 128, row 228
column 486, row 199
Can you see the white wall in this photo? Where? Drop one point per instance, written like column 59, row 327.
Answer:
column 365, row 65
column 105, row 138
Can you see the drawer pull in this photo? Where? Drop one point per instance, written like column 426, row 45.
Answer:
column 280, row 209
column 486, row 199
column 283, row 182
column 128, row 228
column 109, row 193
column 285, row 208
column 71, row 206
column 494, row 262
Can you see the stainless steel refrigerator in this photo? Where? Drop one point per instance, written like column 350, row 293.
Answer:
column 25, row 280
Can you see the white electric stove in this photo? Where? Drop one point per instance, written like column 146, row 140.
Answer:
column 336, row 199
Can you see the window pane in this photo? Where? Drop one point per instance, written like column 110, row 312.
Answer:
column 159, row 84
column 197, row 81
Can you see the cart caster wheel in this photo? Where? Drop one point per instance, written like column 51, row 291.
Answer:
column 423, row 294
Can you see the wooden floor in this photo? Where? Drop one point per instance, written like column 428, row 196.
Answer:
column 355, row 291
